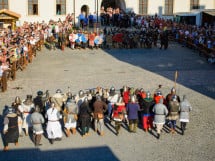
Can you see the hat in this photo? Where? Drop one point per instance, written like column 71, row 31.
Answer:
column 10, row 110
column 58, row 91
column 29, row 97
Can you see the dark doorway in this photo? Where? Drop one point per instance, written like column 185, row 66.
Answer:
column 114, row 4
column 191, row 20
column 85, row 10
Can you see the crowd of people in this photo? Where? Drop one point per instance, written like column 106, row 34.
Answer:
column 90, row 109
column 52, row 114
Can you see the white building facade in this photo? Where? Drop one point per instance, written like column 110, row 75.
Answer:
column 44, row 10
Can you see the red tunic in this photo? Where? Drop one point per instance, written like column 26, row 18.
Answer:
column 126, row 96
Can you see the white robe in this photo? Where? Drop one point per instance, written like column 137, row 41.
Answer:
column 53, row 127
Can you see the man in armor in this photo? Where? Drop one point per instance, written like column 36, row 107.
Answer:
column 119, row 113
column 40, row 102
column 160, row 113
column 170, row 95
column 99, row 107
column 70, row 116
column 37, row 120
column 174, row 108
column 147, row 119
column 58, row 99
column 185, row 108
column 85, row 117
column 132, row 110
column 112, row 99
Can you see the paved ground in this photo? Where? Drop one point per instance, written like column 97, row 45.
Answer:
column 84, row 69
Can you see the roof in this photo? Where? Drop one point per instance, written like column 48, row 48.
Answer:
column 212, row 13
column 10, row 13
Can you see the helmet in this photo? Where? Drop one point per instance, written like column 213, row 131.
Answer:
column 141, row 90
column 10, row 110
column 148, row 94
column 158, row 93
column 173, row 90
column 81, row 93
column 40, row 93
column 58, row 91
column 112, row 89
column 17, row 100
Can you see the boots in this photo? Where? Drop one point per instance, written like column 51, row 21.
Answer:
column 67, row 132
column 73, row 131
column 130, row 127
column 135, row 128
column 16, row 143
column 37, row 140
column 6, row 148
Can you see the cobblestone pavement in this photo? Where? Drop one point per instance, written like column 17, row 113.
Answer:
column 147, row 68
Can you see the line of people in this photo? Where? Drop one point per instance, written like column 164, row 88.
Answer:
column 93, row 108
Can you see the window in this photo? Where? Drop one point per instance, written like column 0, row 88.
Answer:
column 143, row 7
column 194, row 4
column 60, row 7
column 3, row 4
column 33, row 7
column 168, row 7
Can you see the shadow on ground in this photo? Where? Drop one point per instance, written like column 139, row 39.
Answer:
column 103, row 153
column 193, row 71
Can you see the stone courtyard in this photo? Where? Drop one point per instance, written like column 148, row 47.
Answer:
column 138, row 68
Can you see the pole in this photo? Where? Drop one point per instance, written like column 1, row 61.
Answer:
column 97, row 10
column 74, row 10
column 176, row 76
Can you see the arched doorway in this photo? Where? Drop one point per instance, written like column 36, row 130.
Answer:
column 85, row 10
column 114, row 4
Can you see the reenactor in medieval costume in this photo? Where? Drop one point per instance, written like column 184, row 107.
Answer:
column 26, row 109
column 112, row 99
column 58, row 99
column 174, row 108
column 37, row 120
column 70, row 116
column 18, row 108
column 160, row 113
column 10, row 131
column 185, row 108
column 147, row 117
column 40, row 101
column 85, row 114
column 119, row 112
column 53, row 128
column 132, row 109
column 99, row 108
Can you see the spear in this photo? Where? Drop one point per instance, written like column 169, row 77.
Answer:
column 176, row 76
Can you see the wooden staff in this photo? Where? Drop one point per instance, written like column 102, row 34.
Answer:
column 176, row 76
